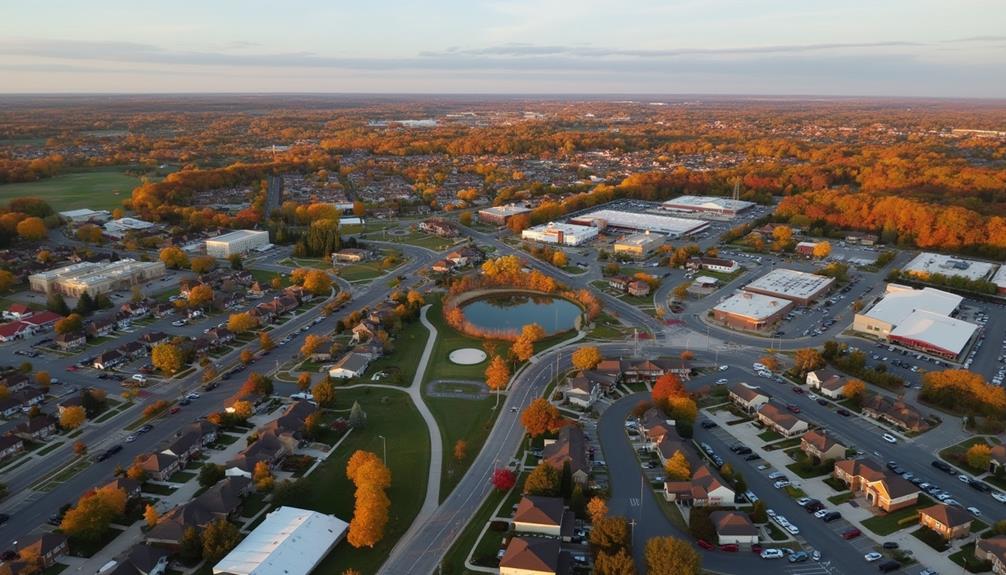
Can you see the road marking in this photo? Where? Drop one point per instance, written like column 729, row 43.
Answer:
column 633, row 502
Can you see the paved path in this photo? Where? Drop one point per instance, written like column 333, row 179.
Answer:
column 463, row 389
column 436, row 441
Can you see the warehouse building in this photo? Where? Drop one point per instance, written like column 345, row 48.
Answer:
column 95, row 278
column 236, row 242
column 118, row 228
column 796, row 286
column 1000, row 280
column 639, row 245
column 500, row 215
column 723, row 207
column 641, row 222
column 85, row 215
column 927, row 263
column 290, row 541
column 920, row 319
column 560, row 234
column 751, row 311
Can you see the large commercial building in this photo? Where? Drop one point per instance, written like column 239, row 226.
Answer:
column 560, row 234
column 118, row 228
column 918, row 318
column 640, row 222
column 290, row 541
column 926, row 264
column 724, row 207
column 999, row 278
column 500, row 215
column 639, row 245
column 95, row 278
column 236, row 242
column 85, row 215
column 751, row 311
column 796, row 286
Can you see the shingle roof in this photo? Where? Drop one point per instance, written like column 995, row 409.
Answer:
column 948, row 515
column 732, row 523
column 540, row 510
column 531, row 554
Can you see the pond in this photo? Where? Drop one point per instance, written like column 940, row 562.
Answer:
column 511, row 312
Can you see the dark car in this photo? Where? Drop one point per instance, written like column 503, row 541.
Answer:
column 979, row 486
column 832, row 516
column 9, row 555
column 3, row 518
column 793, row 408
column 211, row 386
column 814, row 506
column 751, row 457
column 145, row 428
column 851, row 533
column 843, row 412
column 942, row 466
column 889, row 566
column 822, row 401
column 891, row 545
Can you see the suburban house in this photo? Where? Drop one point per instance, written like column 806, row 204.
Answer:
column 268, row 448
column 68, row 341
column 544, row 516
column 37, row 428
column 671, row 443
column 894, row 412
column 218, row 502
column 571, row 447
column 353, row 364
column 733, row 527
column 15, row 330
column 703, row 490
column 648, row 369
column 819, row 446
column 721, row 265
column 993, row 550
column 438, row 227
column 46, row 546
column 159, row 466
column 533, row 556
column 143, row 560
column 638, row 288
column 621, row 283
column 442, row 266
column 654, row 426
column 132, row 489
column 100, row 326
column 950, row 521
column 21, row 400
column 108, row 360
column 581, row 391
column 781, row 421
column 746, row 397
column 10, row 445
column 17, row 311
column 827, row 382
column 883, row 489
column 997, row 460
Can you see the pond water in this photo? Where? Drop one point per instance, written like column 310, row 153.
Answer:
column 512, row 312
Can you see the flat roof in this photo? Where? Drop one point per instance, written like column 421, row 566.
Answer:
column 713, row 203
column 237, row 235
column 791, row 283
column 937, row 330
column 901, row 301
column 1000, row 277
column 640, row 239
column 639, row 221
column 507, row 210
column 930, row 263
column 82, row 212
column 290, row 541
column 752, row 305
column 572, row 229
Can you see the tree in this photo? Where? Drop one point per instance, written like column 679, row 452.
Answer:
column 619, row 563
column 855, row 390
column 822, row 250
column 79, row 448
column 200, row 296
column 460, row 450
column 210, row 474
column 219, row 537
column 758, row 512
column 202, row 264
column 597, row 509
column 242, row 410
column 317, row 282
column 262, row 477
column 7, row 280
column 683, row 410
column 783, row 236
column 357, row 417
column 94, row 513
column 72, row 417
column 543, row 480
column 265, row 341
column 586, row 357
column 136, row 473
column 610, row 534
column 246, row 356
column 541, row 417
column 370, row 513
column 241, row 322
column 533, row 332
column 303, row 381
column 191, row 546
column 85, row 304
column 72, row 323
column 32, row 229
column 978, row 456
column 167, row 357
column 504, row 479
column 807, row 359
column 699, row 524
column 324, row 393
column 770, row 362
column 151, row 516
column 497, row 374
column 311, row 344
column 667, row 386
column 235, row 261
column 671, row 556
column 678, row 468
column 257, row 384
column 54, row 302
column 465, row 218
column 43, row 379
column 559, row 259
column 173, row 257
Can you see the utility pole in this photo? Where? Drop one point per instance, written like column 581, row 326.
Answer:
column 384, row 441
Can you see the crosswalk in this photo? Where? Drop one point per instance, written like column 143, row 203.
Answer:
column 812, row 568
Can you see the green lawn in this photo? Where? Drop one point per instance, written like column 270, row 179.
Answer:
column 840, row 498
column 448, row 340
column 182, row 477
column 931, row 538
column 891, row 522
column 454, row 561
column 391, row 414
column 966, row 558
column 96, row 189
column 158, row 489
column 769, row 435
column 401, row 363
column 956, row 453
column 469, row 420
column 422, row 240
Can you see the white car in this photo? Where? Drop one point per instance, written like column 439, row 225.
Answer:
column 771, row 554
column 781, row 484
column 975, row 511
column 192, row 395
column 130, row 438
column 803, row 501
column 872, row 556
column 302, row 395
column 998, row 496
column 821, row 513
column 890, row 438
column 721, row 381
column 770, row 512
column 179, row 322
column 724, row 367
column 793, row 529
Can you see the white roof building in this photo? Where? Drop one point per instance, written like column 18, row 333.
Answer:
column 85, row 214
column 673, row 227
column 902, row 301
column 919, row 319
column 928, row 263
column 290, row 541
column 753, row 306
column 934, row 332
column 801, row 287
column 560, row 234
column 118, row 228
column 707, row 204
column 1000, row 279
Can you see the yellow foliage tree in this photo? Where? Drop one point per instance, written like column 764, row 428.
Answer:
column 678, row 468
column 168, row 358
column 72, row 417
column 241, row 322
column 497, row 374
column 586, row 357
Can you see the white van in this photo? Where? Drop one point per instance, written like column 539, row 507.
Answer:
column 107, row 567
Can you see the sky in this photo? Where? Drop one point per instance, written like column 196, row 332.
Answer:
column 918, row 48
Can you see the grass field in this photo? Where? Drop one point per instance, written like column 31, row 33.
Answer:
column 467, row 419
column 95, row 189
column 329, row 491
column 891, row 522
column 422, row 240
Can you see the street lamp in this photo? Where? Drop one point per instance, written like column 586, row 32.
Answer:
column 384, row 441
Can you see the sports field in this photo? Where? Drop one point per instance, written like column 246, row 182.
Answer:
column 96, row 189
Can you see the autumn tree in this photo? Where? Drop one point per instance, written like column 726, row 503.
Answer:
column 559, row 259
column 370, row 514
column 72, row 417
column 200, row 296
column 262, row 477
column 202, row 264
column 191, row 546
column 497, row 374
column 151, row 516
column 610, row 534
column 597, row 509
column 783, row 236
column 978, row 456
column 854, row 390
column 503, row 479
column 963, row 390
column 543, row 480
column 822, row 250
column 174, row 258
column 89, row 233
column 246, row 356
column 671, row 556
column 32, row 229
column 460, row 450
column 7, row 280
column 79, row 448
column 94, row 513
column 807, row 359
column 617, row 563
column 586, row 357
column 678, row 468
column 218, row 538
column 770, row 362
column 666, row 387
column 257, row 384
column 241, row 322
column 683, row 410
column 72, row 323
column 522, row 348
column 541, row 417
column 324, row 393
column 265, row 341
column 167, row 357
column 312, row 343
column 210, row 474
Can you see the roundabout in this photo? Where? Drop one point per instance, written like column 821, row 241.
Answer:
column 467, row 356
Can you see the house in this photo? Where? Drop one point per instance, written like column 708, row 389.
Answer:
column 15, row 330
column 132, row 489
column 135, row 309
column 703, row 490
column 993, row 550
column 365, row 330
column 43, row 320
column 670, row 444
column 581, row 391
column 185, row 447
column 68, row 341
column 17, row 311
column 109, row 359
column 350, row 256
column 159, row 466
column 733, row 528
column 882, row 489
column 819, row 446
column 163, row 309
column 218, row 502
column 638, row 288
column 219, row 336
column 620, row 283
column 268, row 447
column 143, row 560
column 442, row 266
column 438, row 227
column 544, row 516
column 950, row 521
column 464, row 257
column 100, row 326
column 827, row 382
column 15, row 381
column 37, row 428
column 997, row 460
column 353, row 364
column 9, row 407
column 721, row 265
column 123, row 321
column 74, row 401
column 10, row 445
column 570, row 447
column 781, row 421
column 747, row 397
column 132, row 350
column 151, row 338
column 655, row 427
column 533, row 556
column 206, row 430
column 894, row 412
column 48, row 547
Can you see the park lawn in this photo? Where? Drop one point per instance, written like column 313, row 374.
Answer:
column 769, row 435
column 955, row 454
column 100, row 189
column 466, row 419
column 607, row 327
column 891, row 522
column 448, row 340
column 359, row 272
column 403, row 361
column 422, row 240
column 391, row 414
column 265, row 276
column 454, row 560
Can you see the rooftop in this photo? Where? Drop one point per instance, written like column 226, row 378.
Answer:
column 237, row 235
column 929, row 263
column 507, row 210
column 711, row 203
column 640, row 240
column 901, row 301
column 791, row 283
column 641, row 221
column 752, row 305
column 570, row 229
column 1000, row 277
column 937, row 330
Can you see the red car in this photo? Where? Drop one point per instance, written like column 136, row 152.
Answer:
column 851, row 533
column 730, row 547
column 174, row 410
column 756, row 548
column 793, row 408
column 797, row 389
column 706, row 545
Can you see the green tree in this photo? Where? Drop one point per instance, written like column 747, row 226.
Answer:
column 191, row 546
column 758, row 513
column 357, row 417
column 55, row 303
column 219, row 537
column 210, row 474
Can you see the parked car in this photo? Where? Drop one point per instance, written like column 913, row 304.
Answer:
column 798, row 557
column 771, row 554
column 943, row 466
column 872, row 556
column 843, row 412
column 889, row 566
column 851, row 533
column 705, row 545
column 889, row 438
column 730, row 548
